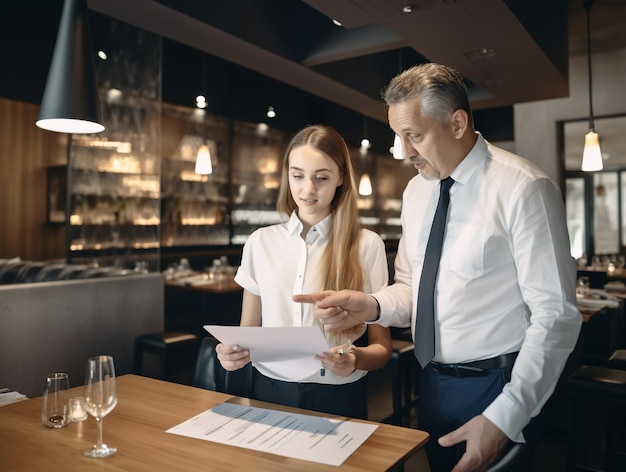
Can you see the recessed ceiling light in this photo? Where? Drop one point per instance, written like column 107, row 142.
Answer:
column 493, row 81
column 201, row 101
column 480, row 53
column 408, row 8
column 337, row 22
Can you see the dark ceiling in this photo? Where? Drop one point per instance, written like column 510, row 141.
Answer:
column 509, row 51
column 506, row 50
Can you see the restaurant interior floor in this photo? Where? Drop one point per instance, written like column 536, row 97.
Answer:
column 551, row 454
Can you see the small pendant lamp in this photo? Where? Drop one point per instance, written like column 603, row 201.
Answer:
column 592, row 156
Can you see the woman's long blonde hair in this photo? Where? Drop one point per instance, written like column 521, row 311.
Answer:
column 341, row 265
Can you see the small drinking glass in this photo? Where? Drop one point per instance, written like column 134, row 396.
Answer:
column 55, row 412
column 78, row 409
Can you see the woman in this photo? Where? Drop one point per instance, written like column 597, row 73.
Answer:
column 321, row 246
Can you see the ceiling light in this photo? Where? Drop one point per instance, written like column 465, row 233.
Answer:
column 408, row 8
column 480, row 53
column 337, row 23
column 365, row 185
column 271, row 113
column 490, row 82
column 592, row 156
column 201, row 101
column 102, row 55
column 203, row 161
column 71, row 103
column 396, row 149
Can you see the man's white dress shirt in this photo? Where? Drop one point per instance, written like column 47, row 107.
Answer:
column 506, row 278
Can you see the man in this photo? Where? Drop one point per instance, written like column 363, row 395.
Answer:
column 502, row 302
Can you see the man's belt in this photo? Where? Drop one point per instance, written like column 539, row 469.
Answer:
column 475, row 368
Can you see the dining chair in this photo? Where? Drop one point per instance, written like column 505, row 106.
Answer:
column 599, row 415
column 176, row 353
column 514, row 460
column 209, row 373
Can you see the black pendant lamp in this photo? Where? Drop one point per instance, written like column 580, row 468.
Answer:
column 70, row 101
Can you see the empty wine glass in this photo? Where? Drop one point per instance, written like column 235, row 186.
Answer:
column 100, row 398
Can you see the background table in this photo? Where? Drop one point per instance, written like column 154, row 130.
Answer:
column 189, row 307
column 145, row 410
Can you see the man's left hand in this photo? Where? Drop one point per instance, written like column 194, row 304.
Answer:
column 484, row 441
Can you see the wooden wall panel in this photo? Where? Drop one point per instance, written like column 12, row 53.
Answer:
column 25, row 153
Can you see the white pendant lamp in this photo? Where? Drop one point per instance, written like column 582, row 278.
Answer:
column 592, row 156
column 203, row 161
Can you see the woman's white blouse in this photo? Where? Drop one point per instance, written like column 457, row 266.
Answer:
column 277, row 263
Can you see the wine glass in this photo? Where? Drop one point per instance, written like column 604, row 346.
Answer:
column 100, row 398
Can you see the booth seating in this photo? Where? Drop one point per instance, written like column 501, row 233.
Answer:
column 9, row 271
column 29, row 272
column 18, row 271
column 176, row 354
column 598, row 435
column 56, row 326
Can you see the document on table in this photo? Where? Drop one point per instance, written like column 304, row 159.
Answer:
column 287, row 351
column 311, row 438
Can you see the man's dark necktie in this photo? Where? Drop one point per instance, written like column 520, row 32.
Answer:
column 425, row 322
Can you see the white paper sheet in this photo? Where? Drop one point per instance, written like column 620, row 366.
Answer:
column 287, row 351
column 311, row 438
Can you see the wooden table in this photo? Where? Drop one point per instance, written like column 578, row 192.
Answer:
column 189, row 307
column 146, row 409
column 220, row 286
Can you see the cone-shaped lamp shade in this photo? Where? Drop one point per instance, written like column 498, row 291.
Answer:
column 70, row 101
column 203, row 161
column 592, row 157
column 365, row 185
column 397, row 148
